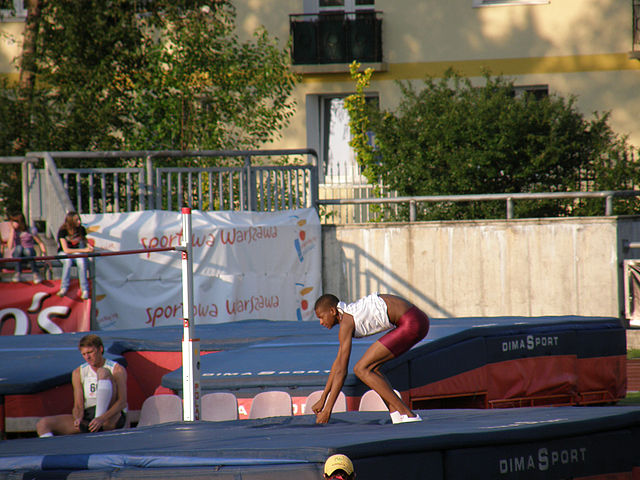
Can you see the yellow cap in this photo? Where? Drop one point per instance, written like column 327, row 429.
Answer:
column 338, row 462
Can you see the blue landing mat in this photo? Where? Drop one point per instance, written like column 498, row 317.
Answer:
column 528, row 443
column 453, row 346
column 34, row 363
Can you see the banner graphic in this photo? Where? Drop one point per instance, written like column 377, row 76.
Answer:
column 27, row 309
column 247, row 265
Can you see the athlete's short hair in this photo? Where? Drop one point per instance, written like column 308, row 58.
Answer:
column 91, row 340
column 327, row 300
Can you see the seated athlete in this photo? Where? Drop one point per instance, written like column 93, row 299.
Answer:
column 99, row 395
column 368, row 316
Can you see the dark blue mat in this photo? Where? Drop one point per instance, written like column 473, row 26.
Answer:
column 34, row 363
column 551, row 442
column 251, row 349
column 302, row 362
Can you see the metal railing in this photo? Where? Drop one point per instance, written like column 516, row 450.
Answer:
column 50, row 192
column 508, row 198
column 114, row 187
column 336, row 37
column 257, row 188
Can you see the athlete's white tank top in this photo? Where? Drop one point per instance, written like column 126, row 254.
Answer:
column 89, row 379
column 369, row 315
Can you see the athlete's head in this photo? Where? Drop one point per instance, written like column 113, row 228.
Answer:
column 92, row 349
column 339, row 467
column 326, row 308
column 91, row 340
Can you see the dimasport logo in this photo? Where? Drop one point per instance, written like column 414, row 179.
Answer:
column 543, row 460
column 529, row 342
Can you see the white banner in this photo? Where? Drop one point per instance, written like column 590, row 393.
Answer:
column 247, row 265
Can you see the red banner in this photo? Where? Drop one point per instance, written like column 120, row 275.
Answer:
column 27, row 309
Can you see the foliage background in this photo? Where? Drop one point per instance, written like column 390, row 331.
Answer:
column 141, row 75
column 453, row 138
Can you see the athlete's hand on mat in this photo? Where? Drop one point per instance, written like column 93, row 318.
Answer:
column 323, row 417
column 95, row 424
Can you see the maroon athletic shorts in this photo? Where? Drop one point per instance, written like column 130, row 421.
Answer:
column 411, row 328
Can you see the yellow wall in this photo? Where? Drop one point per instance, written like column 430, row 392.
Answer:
column 578, row 47
column 10, row 45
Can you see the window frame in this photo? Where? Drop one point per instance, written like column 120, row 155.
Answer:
column 507, row 3
column 348, row 6
column 19, row 11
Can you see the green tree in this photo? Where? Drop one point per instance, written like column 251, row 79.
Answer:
column 453, row 138
column 135, row 74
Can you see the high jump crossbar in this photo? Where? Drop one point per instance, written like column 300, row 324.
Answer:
column 87, row 255
column 190, row 345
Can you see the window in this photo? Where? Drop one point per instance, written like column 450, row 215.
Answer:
column 337, row 156
column 538, row 91
column 493, row 3
column 336, row 32
column 13, row 8
column 344, row 5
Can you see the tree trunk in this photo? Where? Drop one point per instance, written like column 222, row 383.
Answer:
column 27, row 79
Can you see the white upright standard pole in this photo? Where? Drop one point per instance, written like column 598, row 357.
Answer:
column 190, row 345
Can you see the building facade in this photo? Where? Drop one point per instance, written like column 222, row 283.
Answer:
column 586, row 48
column 583, row 48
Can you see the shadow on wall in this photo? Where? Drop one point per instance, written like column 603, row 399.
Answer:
column 360, row 273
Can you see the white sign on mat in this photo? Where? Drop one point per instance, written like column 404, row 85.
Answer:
column 247, row 265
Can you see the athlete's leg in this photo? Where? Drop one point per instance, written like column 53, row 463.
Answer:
column 105, row 397
column 56, row 425
column 367, row 370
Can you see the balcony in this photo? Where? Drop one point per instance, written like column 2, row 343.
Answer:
column 635, row 51
column 327, row 42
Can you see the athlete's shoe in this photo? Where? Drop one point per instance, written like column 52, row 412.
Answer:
column 397, row 417
column 15, row 278
column 84, row 295
column 36, row 278
column 408, row 419
column 62, row 292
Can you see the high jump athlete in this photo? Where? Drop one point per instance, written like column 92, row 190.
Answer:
column 368, row 316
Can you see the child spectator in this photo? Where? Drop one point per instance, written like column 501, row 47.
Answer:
column 22, row 241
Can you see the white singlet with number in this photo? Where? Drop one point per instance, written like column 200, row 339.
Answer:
column 89, row 379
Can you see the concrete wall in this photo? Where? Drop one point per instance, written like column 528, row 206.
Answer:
column 525, row 267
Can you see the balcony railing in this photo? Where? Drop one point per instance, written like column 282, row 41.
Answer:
column 336, row 37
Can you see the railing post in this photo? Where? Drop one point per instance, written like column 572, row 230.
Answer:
column 314, row 181
column 149, row 184
column 26, row 192
column 252, row 200
column 608, row 205
column 412, row 210
column 509, row 208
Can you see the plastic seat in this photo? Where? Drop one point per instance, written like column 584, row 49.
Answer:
column 5, row 232
column 271, row 404
column 219, row 406
column 160, row 409
column 372, row 402
column 339, row 406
